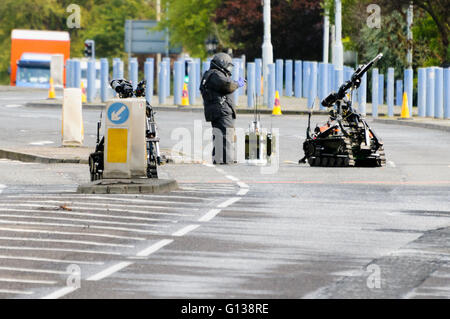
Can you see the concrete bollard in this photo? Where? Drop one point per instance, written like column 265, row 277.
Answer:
column 408, row 83
column 381, row 89
column 439, row 93
column 271, row 93
column 375, row 92
column 390, row 91
column 323, row 82
column 258, row 76
column 192, row 90
column 251, row 85
column 133, row 72
column 288, row 78
column 91, row 81
column 279, row 76
column 447, row 93
column 162, row 85
column 422, row 91
column 72, row 118
column 399, row 92
column 177, row 82
column 313, row 85
column 298, row 79
column 149, row 78
column 362, row 95
column 430, row 91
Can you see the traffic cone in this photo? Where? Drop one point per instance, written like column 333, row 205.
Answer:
column 51, row 91
column 277, row 107
column 185, row 96
column 405, row 108
column 83, row 93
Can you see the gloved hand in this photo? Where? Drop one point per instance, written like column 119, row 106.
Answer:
column 241, row 82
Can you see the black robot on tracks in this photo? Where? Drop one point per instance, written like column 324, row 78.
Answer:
column 346, row 139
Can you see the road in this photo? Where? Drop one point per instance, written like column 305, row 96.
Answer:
column 229, row 231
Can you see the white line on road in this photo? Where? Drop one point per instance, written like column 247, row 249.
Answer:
column 51, row 260
column 153, row 248
column 13, row 105
column 109, row 271
column 2, row 187
column 242, row 185
column 20, row 230
column 66, row 241
column 40, row 143
column 234, row 179
column 27, row 281
column 15, row 292
column 60, row 293
column 81, row 251
column 148, row 202
column 391, row 164
column 183, row 231
column 209, row 215
column 43, row 271
column 229, row 202
column 242, row 192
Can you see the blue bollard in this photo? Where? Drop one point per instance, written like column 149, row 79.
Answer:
column 409, row 74
column 205, row 66
column 162, row 86
column 298, row 79
column 177, row 82
column 381, row 89
column 91, row 91
column 323, row 82
column 446, row 93
column 330, row 85
column 168, row 76
column 390, row 91
column 375, row 92
column 235, row 76
column 288, row 78
column 271, row 93
column 192, row 83
column 313, row 85
column 133, row 72
column 258, row 75
column 149, row 78
column 104, row 79
column 430, row 91
column 279, row 76
column 362, row 95
column 251, row 85
column 76, row 74
column 338, row 78
column 242, row 74
column 198, row 76
column 306, row 72
column 439, row 93
column 422, row 92
column 399, row 92
column 117, row 68
column 69, row 71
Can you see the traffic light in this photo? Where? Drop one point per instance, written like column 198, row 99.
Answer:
column 89, row 48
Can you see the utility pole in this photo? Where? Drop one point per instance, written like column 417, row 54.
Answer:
column 326, row 36
column 338, row 48
column 267, row 50
column 158, row 55
column 409, row 21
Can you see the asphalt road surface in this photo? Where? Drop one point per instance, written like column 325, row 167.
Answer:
column 238, row 231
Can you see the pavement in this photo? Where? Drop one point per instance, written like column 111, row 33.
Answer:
column 237, row 231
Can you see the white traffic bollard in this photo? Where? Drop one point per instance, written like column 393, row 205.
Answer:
column 72, row 118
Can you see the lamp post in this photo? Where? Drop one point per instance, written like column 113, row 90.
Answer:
column 267, row 50
column 211, row 44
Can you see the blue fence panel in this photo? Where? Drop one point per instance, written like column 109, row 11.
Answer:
column 251, row 94
column 313, row 85
column 375, row 92
column 298, row 79
column 422, row 91
column 439, row 93
column 288, row 78
column 390, row 91
column 279, row 76
column 399, row 92
column 430, row 91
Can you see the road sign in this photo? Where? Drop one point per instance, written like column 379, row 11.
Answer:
column 118, row 113
column 141, row 38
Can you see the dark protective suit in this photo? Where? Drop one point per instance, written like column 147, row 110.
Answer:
column 216, row 87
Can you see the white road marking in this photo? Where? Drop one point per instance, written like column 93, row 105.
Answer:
column 391, row 164
column 81, row 251
column 209, row 215
column 242, row 192
column 66, row 241
column 43, row 271
column 133, row 230
column 153, row 248
column 40, row 143
column 234, row 179
column 27, row 281
column 75, row 196
column 220, row 170
column 227, row 203
column 242, row 185
column 20, row 230
column 208, row 165
column 15, row 292
column 185, row 230
column 109, row 271
column 60, row 293
column 2, row 187
column 95, row 221
column 51, row 260
column 149, row 202
column 13, row 105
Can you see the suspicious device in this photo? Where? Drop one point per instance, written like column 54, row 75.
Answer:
column 124, row 89
column 346, row 139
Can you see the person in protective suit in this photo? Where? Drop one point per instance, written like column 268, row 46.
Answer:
column 216, row 87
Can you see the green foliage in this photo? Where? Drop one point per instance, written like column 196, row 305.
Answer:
column 189, row 23
column 101, row 20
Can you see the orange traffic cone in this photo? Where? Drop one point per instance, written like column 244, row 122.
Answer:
column 83, row 93
column 51, row 91
column 185, row 96
column 277, row 107
column 405, row 108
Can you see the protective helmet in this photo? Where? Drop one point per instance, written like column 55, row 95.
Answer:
column 223, row 62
